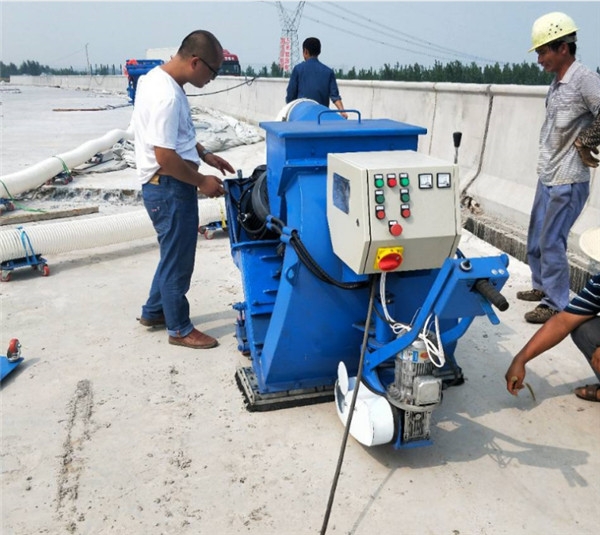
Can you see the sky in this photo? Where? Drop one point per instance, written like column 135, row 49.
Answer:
column 353, row 33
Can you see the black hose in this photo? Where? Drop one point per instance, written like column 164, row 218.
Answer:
column 316, row 270
column 363, row 350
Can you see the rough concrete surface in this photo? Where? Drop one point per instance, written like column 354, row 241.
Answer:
column 106, row 428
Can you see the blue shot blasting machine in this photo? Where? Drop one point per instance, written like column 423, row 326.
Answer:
column 347, row 245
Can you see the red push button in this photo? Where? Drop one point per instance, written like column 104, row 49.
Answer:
column 395, row 228
column 405, row 211
column 379, row 212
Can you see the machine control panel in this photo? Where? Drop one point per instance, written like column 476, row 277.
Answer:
column 392, row 210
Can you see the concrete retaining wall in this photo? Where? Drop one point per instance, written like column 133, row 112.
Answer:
column 500, row 125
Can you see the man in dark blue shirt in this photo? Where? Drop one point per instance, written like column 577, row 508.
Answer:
column 314, row 80
column 581, row 319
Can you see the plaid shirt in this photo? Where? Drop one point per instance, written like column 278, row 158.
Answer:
column 572, row 104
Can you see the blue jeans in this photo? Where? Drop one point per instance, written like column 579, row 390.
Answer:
column 587, row 339
column 555, row 209
column 173, row 208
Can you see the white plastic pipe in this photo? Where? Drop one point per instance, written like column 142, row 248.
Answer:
column 36, row 175
column 55, row 238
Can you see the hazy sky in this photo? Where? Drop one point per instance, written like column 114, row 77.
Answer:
column 353, row 34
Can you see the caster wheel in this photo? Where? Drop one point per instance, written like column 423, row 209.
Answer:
column 201, row 230
column 209, row 234
column 6, row 276
column 45, row 270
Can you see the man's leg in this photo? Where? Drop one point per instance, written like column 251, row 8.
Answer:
column 174, row 214
column 565, row 204
column 587, row 339
column 534, row 232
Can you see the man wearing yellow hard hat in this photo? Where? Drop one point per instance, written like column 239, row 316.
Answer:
column 580, row 319
column 567, row 145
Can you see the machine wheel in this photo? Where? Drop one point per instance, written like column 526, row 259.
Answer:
column 45, row 270
column 201, row 229
column 6, row 276
column 209, row 234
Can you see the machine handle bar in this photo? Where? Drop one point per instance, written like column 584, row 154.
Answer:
column 337, row 111
column 485, row 288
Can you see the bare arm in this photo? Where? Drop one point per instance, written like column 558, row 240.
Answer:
column 340, row 106
column 554, row 331
column 214, row 161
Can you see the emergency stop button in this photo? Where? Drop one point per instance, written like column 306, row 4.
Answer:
column 395, row 228
column 388, row 258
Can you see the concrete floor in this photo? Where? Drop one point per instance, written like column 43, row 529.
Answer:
column 108, row 429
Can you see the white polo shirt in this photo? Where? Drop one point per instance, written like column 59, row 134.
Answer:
column 161, row 118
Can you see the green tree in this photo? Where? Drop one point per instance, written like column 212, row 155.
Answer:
column 276, row 70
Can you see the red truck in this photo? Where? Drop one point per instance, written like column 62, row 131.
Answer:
column 231, row 64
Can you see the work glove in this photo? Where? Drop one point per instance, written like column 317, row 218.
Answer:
column 585, row 153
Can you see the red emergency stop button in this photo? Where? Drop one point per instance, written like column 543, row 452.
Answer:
column 395, row 228
column 390, row 262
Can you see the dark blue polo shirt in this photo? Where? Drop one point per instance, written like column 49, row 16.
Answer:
column 311, row 79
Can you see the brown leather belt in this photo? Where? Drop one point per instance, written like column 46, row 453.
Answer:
column 155, row 180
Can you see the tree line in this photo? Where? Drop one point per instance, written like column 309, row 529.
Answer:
column 452, row 72
column 34, row 68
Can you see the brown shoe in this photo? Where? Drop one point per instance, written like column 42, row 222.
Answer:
column 540, row 314
column 154, row 322
column 194, row 340
column 531, row 295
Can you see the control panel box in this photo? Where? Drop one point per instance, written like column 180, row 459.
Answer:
column 392, row 210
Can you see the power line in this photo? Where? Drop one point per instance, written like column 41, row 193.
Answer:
column 395, row 34
column 398, row 47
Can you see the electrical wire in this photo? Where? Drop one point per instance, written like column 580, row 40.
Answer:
column 340, row 461
column 435, row 350
column 440, row 51
column 394, row 33
column 245, row 82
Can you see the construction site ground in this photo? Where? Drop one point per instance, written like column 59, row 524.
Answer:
column 106, row 428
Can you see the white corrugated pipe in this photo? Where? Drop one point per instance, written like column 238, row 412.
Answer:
column 36, row 175
column 55, row 238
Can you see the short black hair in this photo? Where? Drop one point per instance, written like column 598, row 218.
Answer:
column 201, row 43
column 312, row 45
column 554, row 45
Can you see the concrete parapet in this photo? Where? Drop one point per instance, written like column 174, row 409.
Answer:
column 499, row 123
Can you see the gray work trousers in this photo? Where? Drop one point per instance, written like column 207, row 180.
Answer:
column 587, row 339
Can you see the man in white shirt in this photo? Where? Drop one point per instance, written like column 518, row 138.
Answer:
column 167, row 160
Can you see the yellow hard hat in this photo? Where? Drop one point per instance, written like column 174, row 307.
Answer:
column 551, row 27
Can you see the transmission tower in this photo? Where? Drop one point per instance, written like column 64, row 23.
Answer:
column 289, row 53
